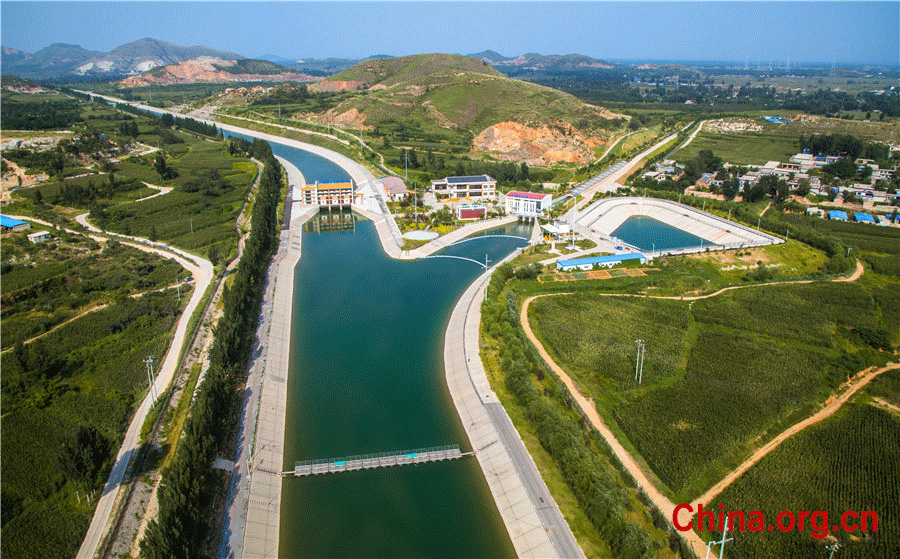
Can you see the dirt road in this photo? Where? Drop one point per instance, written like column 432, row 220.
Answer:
column 662, row 502
column 637, row 472
column 832, row 405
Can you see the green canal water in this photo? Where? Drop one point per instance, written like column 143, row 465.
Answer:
column 367, row 376
column 647, row 233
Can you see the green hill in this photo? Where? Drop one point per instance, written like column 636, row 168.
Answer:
column 447, row 94
column 411, row 68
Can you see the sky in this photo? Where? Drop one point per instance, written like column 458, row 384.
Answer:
column 753, row 32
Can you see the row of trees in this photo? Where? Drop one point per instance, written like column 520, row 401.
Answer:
column 168, row 121
column 188, row 482
column 846, row 145
column 597, row 490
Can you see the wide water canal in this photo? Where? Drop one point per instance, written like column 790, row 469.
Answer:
column 367, row 376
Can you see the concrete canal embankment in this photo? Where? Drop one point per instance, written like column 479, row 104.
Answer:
column 531, row 518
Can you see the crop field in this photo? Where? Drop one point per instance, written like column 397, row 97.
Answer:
column 867, row 238
column 88, row 372
column 81, row 192
column 45, row 284
column 850, row 461
column 199, row 214
column 778, row 142
column 590, row 333
column 750, row 148
column 721, row 375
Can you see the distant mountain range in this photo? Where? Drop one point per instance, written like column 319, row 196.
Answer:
column 61, row 60
column 533, row 62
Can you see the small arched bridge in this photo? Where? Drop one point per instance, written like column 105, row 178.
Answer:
column 482, row 264
column 467, row 239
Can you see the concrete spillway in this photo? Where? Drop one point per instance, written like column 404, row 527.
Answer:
column 605, row 216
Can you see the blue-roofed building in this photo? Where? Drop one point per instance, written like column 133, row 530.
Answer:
column 476, row 187
column 864, row 218
column 607, row 261
column 837, row 215
column 9, row 224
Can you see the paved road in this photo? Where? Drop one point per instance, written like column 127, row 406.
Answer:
column 202, row 271
column 532, row 518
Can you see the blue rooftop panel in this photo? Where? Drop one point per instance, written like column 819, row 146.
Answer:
column 601, row 259
column 837, row 214
column 7, row 221
column 458, row 180
column 864, row 217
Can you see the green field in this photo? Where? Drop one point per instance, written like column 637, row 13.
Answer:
column 88, row 373
column 849, row 462
column 778, row 142
column 210, row 186
column 199, row 214
column 721, row 375
column 48, row 283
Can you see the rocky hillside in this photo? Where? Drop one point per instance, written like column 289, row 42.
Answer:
column 146, row 54
column 60, row 60
column 449, row 95
column 217, row 70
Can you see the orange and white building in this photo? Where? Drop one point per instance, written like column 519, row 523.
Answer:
column 328, row 194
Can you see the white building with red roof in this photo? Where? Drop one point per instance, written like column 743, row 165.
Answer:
column 527, row 204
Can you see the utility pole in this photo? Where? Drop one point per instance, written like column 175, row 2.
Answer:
column 416, row 202
column 639, row 361
column 720, row 543
column 729, row 214
column 406, row 164
column 486, row 261
column 178, row 287
column 786, row 234
column 150, row 378
column 757, row 223
column 832, row 548
column 643, row 352
column 572, row 228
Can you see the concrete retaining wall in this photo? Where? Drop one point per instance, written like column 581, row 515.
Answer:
column 605, row 216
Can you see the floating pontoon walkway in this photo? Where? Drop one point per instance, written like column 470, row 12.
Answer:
column 381, row 460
